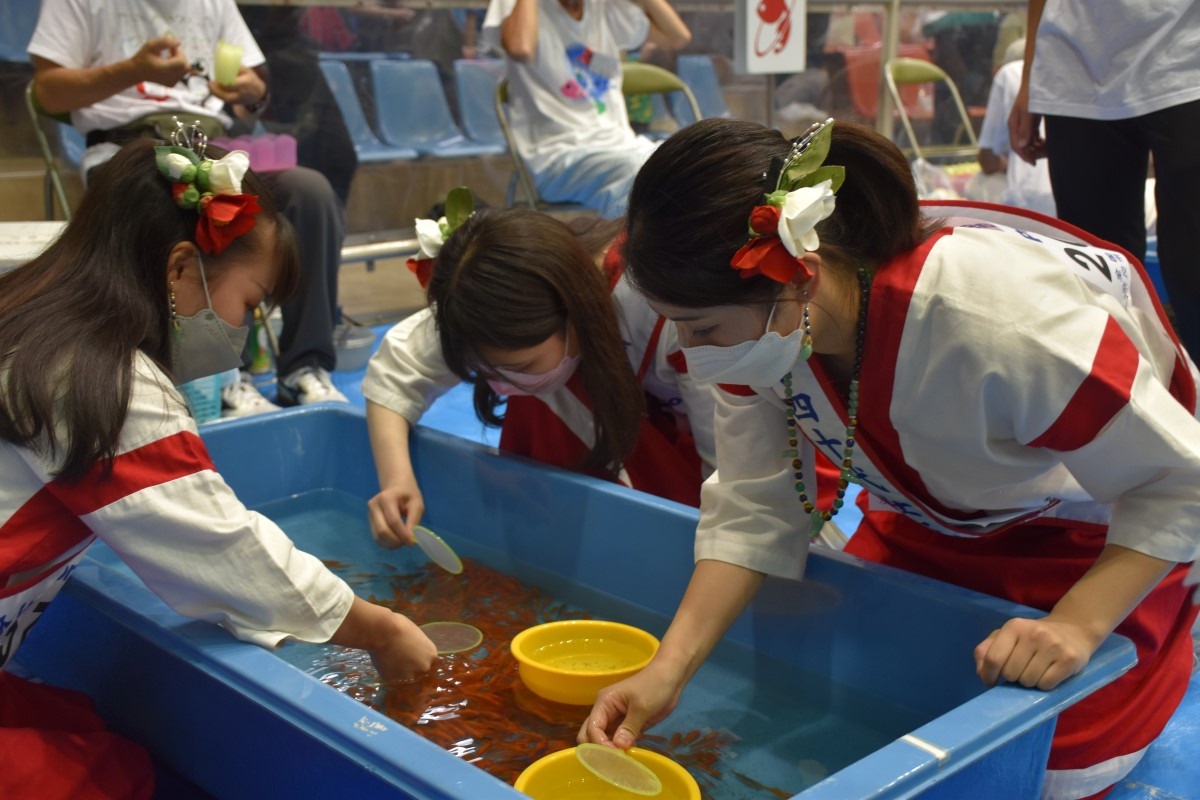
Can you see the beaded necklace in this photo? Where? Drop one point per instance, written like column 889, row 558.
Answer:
column 818, row 517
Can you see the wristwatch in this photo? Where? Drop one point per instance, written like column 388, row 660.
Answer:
column 259, row 104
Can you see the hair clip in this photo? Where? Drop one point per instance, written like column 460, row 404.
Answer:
column 192, row 137
column 797, row 194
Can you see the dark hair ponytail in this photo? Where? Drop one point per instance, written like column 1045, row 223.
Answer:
column 72, row 319
column 690, row 206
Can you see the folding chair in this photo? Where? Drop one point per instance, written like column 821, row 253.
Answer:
column 907, row 72
column 411, row 109
column 476, row 82
column 367, row 146
column 639, row 78
column 700, row 76
column 861, row 75
column 52, row 185
column 522, row 178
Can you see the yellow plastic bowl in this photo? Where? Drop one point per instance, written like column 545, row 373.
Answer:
column 571, row 660
column 560, row 775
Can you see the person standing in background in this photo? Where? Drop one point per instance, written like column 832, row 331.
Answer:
column 1024, row 185
column 1118, row 82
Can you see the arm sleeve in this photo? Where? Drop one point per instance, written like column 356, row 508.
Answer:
column 235, row 31
column 749, row 513
column 63, row 34
column 1079, row 377
column 1144, row 459
column 497, row 12
column 627, row 21
column 182, row 530
column 407, row 373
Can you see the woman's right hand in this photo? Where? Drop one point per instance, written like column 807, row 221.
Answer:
column 395, row 510
column 624, row 710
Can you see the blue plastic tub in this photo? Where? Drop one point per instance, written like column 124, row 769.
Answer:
column 242, row 722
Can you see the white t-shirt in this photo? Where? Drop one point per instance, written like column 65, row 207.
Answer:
column 569, row 95
column 92, row 33
column 1028, row 186
column 1115, row 59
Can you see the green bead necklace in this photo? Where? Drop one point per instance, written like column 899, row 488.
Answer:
column 818, row 517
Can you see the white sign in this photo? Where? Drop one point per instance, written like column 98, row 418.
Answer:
column 769, row 36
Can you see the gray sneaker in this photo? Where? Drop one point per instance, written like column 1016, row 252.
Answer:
column 309, row 385
column 243, row 399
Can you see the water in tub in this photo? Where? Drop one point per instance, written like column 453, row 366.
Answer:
column 746, row 727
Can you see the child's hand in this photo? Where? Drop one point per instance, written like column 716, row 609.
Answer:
column 406, row 654
column 394, row 511
column 1038, row 653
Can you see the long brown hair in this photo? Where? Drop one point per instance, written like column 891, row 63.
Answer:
column 509, row 279
column 690, row 205
column 71, row 319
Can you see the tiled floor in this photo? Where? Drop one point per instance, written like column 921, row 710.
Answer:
column 1171, row 768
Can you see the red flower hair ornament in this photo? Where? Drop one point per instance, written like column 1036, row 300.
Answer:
column 783, row 228
column 432, row 234
column 214, row 190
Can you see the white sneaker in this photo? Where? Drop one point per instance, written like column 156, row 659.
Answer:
column 243, row 399
column 309, row 385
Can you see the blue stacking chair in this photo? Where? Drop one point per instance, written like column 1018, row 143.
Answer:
column 367, row 146
column 411, row 108
column 700, row 75
column 18, row 18
column 476, row 82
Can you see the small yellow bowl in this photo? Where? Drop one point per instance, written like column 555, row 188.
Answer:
column 569, row 661
column 560, row 775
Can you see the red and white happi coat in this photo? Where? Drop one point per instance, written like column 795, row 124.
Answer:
column 173, row 520
column 1022, row 401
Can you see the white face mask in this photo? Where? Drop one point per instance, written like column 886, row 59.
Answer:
column 204, row 344
column 754, row 362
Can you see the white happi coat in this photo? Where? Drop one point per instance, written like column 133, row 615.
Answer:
column 1011, row 371
column 173, row 520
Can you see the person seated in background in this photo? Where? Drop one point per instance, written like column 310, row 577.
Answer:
column 145, row 289
column 567, row 113
column 111, row 63
column 589, row 377
column 1017, row 183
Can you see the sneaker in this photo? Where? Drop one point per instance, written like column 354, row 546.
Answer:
column 309, row 385
column 243, row 399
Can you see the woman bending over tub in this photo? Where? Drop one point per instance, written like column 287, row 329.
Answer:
column 146, row 288
column 593, row 378
column 1005, row 389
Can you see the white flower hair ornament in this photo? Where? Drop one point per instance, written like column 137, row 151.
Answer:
column 432, row 234
column 212, row 188
column 784, row 227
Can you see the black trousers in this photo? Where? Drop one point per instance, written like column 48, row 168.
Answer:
column 1098, row 172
